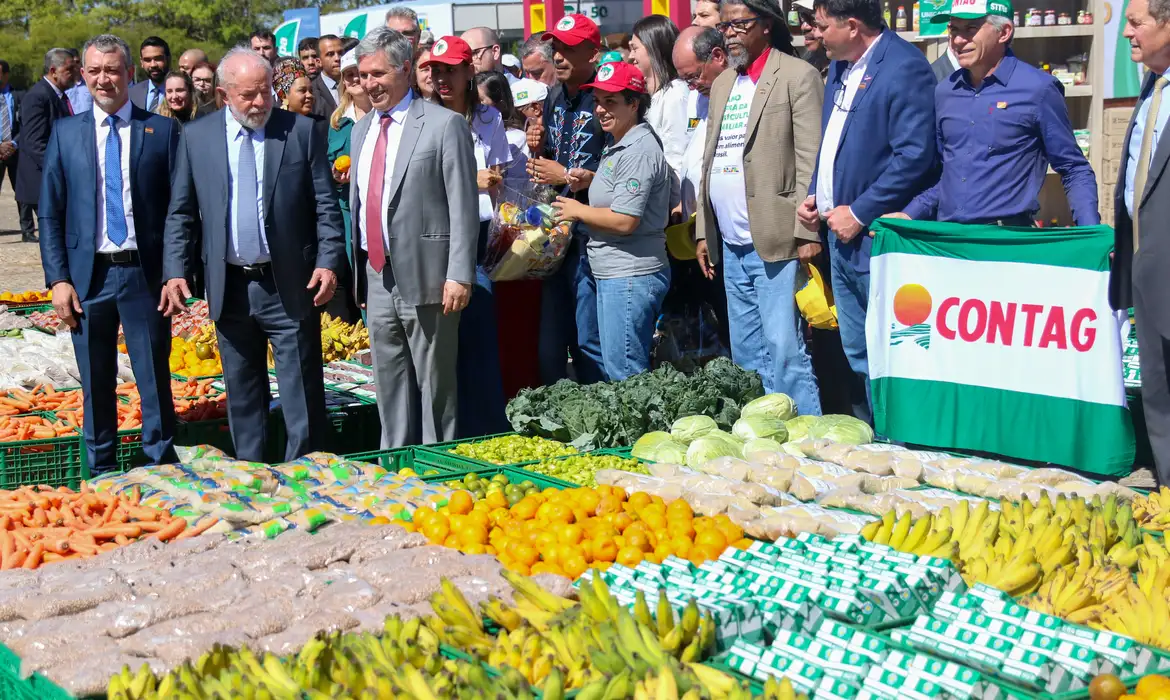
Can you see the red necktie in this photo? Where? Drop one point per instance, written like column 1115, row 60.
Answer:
column 374, row 245
column 68, row 105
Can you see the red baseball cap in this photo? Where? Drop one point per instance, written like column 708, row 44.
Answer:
column 450, row 50
column 573, row 29
column 615, row 77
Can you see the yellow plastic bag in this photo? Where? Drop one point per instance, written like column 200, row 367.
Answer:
column 816, row 302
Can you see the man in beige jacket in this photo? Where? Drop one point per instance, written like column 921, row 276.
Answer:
column 764, row 127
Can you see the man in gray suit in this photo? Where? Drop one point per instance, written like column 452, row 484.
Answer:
column 1142, row 208
column 254, row 193
column 944, row 65
column 415, row 224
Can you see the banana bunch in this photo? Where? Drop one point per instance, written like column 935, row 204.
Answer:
column 1152, row 511
column 930, row 535
column 403, row 663
column 341, row 340
column 781, row 690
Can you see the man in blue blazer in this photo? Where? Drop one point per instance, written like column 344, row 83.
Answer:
column 103, row 207
column 877, row 151
column 254, row 195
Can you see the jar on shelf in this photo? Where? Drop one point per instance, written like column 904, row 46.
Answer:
column 1016, row 18
column 1088, row 17
column 1034, row 18
column 1080, row 16
column 1063, row 19
column 1050, row 18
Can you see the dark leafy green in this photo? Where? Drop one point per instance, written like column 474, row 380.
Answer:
column 615, row 414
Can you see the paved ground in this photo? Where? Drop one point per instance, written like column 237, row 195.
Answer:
column 20, row 263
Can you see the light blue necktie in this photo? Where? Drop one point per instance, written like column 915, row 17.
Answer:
column 247, row 220
column 115, row 211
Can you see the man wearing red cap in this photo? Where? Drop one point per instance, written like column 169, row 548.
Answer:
column 566, row 147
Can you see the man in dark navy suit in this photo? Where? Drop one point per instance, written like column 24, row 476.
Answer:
column 103, row 206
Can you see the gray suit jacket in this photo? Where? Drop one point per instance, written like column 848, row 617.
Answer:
column 302, row 217
column 138, row 94
column 433, row 212
column 1153, row 207
column 942, row 67
column 323, row 103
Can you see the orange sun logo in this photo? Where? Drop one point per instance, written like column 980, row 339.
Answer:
column 912, row 304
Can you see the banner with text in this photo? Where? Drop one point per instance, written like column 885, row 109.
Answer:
column 1000, row 340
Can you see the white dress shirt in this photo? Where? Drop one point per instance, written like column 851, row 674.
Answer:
column 235, row 133
column 1134, row 147
column 831, row 141
column 366, row 165
column 332, row 85
column 102, row 129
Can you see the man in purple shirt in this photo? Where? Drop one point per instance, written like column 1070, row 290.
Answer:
column 999, row 123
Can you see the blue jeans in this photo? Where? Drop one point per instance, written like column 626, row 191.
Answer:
column 851, row 294
column 765, row 325
column 480, row 386
column 628, row 308
column 568, row 320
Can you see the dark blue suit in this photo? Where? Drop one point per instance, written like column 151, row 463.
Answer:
column 113, row 293
column 886, row 156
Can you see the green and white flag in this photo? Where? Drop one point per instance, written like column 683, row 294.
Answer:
column 287, row 37
column 1000, row 340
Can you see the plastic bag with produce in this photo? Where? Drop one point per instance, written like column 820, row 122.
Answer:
column 524, row 241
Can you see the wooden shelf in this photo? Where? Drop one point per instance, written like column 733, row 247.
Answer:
column 1021, row 33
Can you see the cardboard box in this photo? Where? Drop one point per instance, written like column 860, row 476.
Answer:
column 1117, row 120
column 1113, row 145
column 1110, row 169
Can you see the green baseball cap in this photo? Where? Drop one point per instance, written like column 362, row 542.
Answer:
column 610, row 57
column 973, row 9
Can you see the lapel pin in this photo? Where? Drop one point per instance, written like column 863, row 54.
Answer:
column 1001, row 105
column 149, row 129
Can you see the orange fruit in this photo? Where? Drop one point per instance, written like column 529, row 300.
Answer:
column 526, row 508
column 436, row 530
column 708, row 551
column 460, row 502
column 653, row 519
column 681, row 546
column 588, row 499
column 681, row 527
column 342, row 164
column 640, row 500
column 607, row 505
column 570, row 534
column 524, row 554
column 712, row 538
column 605, row 550
column 479, row 518
column 575, row 566
column 731, row 531
column 560, row 513
column 422, row 514
column 474, row 548
column 743, row 543
column 452, row 541
column 629, row 556
column 544, row 567
column 663, row 550
column 702, row 522
column 472, row 534
column 619, row 493
column 622, row 521
column 1151, row 685
column 640, row 540
column 497, row 499
column 678, row 509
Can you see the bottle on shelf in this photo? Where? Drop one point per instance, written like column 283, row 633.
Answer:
column 900, row 19
column 1016, row 18
column 915, row 15
column 887, row 18
column 793, row 17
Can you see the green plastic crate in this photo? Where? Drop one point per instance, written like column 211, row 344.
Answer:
column 397, row 459
column 515, row 475
column 58, row 461
column 35, row 687
column 354, row 428
column 205, row 432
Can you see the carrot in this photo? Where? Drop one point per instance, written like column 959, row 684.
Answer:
column 16, row 560
column 111, row 531
column 34, row 556
column 173, row 529
column 198, row 529
column 57, row 546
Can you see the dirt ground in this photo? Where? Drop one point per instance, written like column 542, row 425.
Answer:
column 20, row 263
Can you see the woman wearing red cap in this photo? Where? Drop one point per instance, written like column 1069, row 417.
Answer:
column 481, row 393
column 625, row 220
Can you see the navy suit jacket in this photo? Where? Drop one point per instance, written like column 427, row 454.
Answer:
column 68, row 201
column 887, row 152
column 302, row 218
column 39, row 109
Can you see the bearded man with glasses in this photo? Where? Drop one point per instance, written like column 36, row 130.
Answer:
column 758, row 160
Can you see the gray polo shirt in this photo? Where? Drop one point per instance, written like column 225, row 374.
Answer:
column 633, row 179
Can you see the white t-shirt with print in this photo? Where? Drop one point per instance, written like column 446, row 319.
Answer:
column 491, row 148
column 728, row 189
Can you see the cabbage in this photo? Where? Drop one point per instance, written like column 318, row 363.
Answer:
column 756, row 445
column 686, row 429
column 726, row 437
column 707, row 448
column 843, row 429
column 798, row 427
column 670, row 452
column 779, row 406
column 646, row 445
column 751, row 427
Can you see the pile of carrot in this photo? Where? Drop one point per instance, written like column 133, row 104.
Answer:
column 34, row 427
column 43, row 397
column 40, row 524
column 129, row 415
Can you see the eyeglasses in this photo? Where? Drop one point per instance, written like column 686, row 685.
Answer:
column 476, row 54
column 692, row 79
column 839, row 100
column 738, row 26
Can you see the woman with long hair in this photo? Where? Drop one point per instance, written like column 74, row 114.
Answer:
column 178, row 97
column 353, row 105
column 625, row 222
column 651, row 50
column 207, row 99
column 480, row 392
column 495, row 91
column 294, row 90
column 422, row 74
